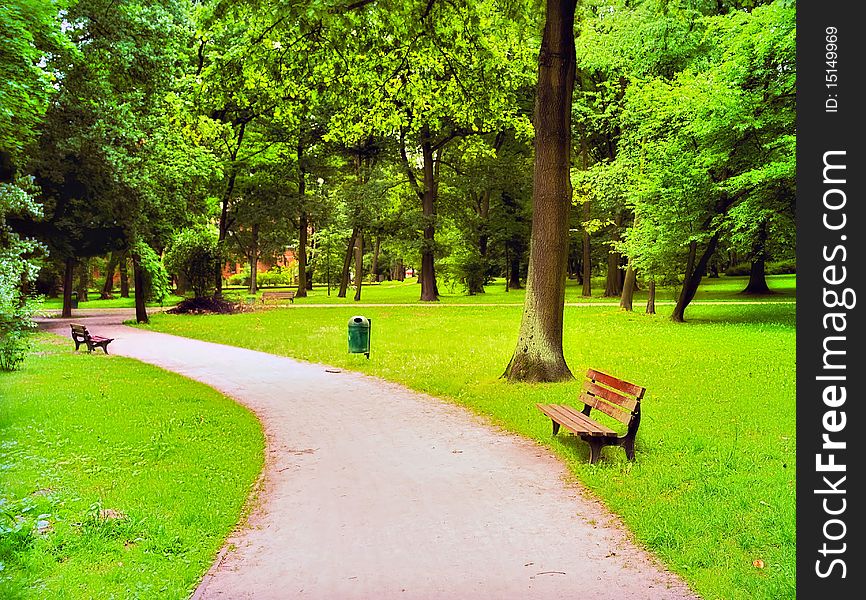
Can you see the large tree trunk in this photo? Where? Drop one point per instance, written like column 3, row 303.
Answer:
column 538, row 355
column 693, row 277
column 138, row 278
column 758, row 273
column 254, row 260
column 347, row 263
column 514, row 273
column 625, row 302
column 359, row 266
column 400, row 270
column 651, row 298
column 429, row 290
column 757, row 278
column 108, row 286
column 68, row 282
column 83, row 279
column 123, row 269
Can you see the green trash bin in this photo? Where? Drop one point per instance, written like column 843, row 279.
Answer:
column 74, row 302
column 359, row 335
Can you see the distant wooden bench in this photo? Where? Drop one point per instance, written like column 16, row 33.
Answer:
column 614, row 397
column 80, row 335
column 278, row 296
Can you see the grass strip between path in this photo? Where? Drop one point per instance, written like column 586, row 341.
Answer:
column 117, row 479
column 713, row 487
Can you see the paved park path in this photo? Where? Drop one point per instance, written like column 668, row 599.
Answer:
column 372, row 491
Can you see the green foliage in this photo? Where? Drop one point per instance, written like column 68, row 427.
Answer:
column 18, row 269
column 240, row 278
column 195, row 254
column 711, row 148
column 276, row 276
column 778, row 267
column 30, row 30
column 156, row 281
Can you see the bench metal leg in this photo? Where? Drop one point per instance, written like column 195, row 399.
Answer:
column 594, row 450
column 628, row 445
column 555, row 427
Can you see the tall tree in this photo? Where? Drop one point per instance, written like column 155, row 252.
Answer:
column 539, row 355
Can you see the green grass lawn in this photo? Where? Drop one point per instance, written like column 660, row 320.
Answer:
column 716, row 289
column 118, row 302
column 712, row 489
column 408, row 292
column 115, row 481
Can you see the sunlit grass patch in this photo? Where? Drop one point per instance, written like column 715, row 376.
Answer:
column 114, row 476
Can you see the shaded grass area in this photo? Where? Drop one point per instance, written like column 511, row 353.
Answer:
column 408, row 292
column 118, row 302
column 115, row 479
column 712, row 489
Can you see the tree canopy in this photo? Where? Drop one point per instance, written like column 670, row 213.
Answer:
column 466, row 141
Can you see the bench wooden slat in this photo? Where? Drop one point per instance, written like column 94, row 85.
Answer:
column 610, row 410
column 574, row 420
column 619, row 384
column 627, row 403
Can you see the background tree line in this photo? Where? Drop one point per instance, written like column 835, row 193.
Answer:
column 648, row 141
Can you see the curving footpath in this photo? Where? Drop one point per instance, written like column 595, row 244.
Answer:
column 372, row 491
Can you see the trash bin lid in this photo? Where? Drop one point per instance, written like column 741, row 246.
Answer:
column 359, row 321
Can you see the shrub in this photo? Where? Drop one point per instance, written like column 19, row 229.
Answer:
column 242, row 277
column 195, row 253
column 277, row 276
column 156, row 281
column 17, row 272
column 782, row 267
column 778, row 267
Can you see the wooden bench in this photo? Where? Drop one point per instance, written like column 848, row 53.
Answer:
column 80, row 335
column 614, row 397
column 278, row 296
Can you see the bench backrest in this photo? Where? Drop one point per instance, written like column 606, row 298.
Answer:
column 614, row 397
column 79, row 331
column 278, row 294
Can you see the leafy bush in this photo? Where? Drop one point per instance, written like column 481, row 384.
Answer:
column 16, row 272
column 782, row 267
column 156, row 281
column 196, row 254
column 277, row 276
column 241, row 278
column 778, row 267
